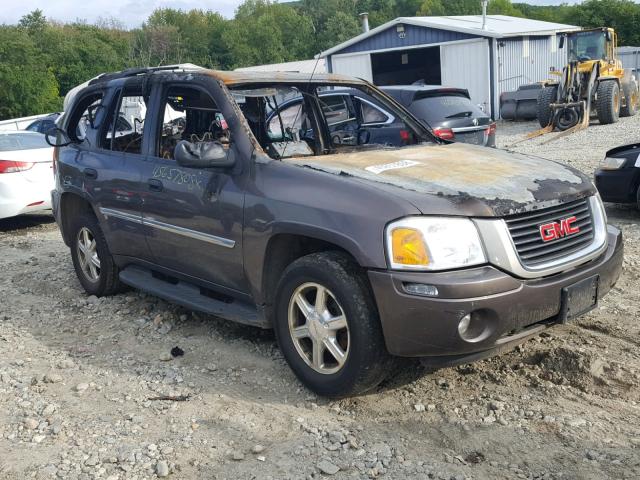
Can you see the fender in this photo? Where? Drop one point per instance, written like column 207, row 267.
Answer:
column 69, row 196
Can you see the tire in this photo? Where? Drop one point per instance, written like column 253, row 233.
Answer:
column 630, row 90
column 608, row 102
column 567, row 118
column 638, row 198
column 361, row 341
column 546, row 97
column 85, row 229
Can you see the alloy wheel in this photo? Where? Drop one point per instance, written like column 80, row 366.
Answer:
column 318, row 327
column 88, row 254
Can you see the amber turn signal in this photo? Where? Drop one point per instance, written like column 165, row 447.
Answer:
column 408, row 247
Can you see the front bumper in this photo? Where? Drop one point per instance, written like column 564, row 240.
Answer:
column 513, row 308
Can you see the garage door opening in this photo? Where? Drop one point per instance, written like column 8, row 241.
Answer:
column 403, row 67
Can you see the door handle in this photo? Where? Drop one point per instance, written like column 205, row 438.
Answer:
column 90, row 173
column 155, row 185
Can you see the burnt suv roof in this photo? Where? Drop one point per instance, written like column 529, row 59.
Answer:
column 230, row 77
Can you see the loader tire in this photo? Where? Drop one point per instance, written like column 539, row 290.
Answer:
column 608, row 102
column 631, row 99
column 546, row 97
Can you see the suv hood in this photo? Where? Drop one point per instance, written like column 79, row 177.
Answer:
column 467, row 180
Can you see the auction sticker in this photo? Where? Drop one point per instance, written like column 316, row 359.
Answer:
column 377, row 169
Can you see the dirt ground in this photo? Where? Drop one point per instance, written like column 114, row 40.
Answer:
column 78, row 377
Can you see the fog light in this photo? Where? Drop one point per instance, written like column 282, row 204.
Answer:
column 476, row 326
column 421, row 289
column 463, row 326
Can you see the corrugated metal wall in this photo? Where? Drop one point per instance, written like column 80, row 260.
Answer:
column 358, row 66
column 630, row 57
column 466, row 65
column 412, row 35
column 527, row 60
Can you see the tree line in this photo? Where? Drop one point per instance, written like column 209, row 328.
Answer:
column 41, row 59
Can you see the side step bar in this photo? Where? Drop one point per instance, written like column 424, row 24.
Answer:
column 191, row 296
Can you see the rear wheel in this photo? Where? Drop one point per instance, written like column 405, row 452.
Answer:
column 92, row 260
column 630, row 108
column 327, row 326
column 546, row 97
column 608, row 102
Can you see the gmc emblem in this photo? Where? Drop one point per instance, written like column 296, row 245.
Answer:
column 555, row 230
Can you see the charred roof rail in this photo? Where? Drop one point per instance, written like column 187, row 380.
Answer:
column 133, row 72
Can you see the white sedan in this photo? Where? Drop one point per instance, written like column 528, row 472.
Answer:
column 26, row 173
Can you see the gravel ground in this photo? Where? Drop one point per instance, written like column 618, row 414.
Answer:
column 79, row 377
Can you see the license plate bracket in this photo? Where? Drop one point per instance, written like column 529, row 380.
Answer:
column 579, row 298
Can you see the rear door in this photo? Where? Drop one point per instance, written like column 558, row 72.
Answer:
column 110, row 164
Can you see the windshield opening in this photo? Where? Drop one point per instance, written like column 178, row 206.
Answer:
column 290, row 120
column 585, row 46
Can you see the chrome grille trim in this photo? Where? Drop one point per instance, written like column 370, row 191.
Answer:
column 501, row 250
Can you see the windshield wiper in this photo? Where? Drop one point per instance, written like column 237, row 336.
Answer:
column 460, row 115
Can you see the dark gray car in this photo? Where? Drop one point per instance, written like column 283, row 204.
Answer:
column 354, row 252
column 448, row 111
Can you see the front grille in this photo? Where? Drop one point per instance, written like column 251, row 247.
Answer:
column 532, row 250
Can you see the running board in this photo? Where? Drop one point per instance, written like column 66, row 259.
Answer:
column 192, row 296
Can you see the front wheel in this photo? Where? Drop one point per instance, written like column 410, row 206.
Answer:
column 92, row 260
column 544, row 112
column 327, row 326
column 608, row 102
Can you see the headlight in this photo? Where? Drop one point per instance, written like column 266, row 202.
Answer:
column 433, row 243
column 612, row 163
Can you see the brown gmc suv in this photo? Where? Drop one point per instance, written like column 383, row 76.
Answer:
column 344, row 224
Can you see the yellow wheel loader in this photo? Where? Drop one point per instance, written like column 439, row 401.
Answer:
column 592, row 79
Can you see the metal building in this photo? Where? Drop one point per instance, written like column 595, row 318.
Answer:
column 486, row 55
column 630, row 57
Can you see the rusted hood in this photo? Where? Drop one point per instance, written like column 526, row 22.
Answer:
column 476, row 181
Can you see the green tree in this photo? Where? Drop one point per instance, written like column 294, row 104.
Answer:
column 503, row 7
column 27, row 85
column 623, row 15
column 34, row 22
column 265, row 32
column 432, row 8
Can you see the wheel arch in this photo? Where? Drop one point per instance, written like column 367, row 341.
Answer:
column 286, row 246
column 72, row 204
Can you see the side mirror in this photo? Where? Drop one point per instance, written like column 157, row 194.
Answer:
column 561, row 44
column 202, row 155
column 57, row 137
column 609, row 36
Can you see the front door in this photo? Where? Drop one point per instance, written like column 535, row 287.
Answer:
column 194, row 215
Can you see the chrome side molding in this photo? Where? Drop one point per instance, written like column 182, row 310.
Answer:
column 151, row 222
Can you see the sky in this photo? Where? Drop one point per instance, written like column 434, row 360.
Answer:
column 129, row 12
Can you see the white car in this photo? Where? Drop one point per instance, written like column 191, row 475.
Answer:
column 26, row 173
